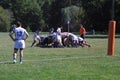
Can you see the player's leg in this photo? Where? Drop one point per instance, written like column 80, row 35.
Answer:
column 33, row 43
column 21, row 47
column 39, row 40
column 15, row 55
column 85, row 44
column 82, row 36
column 16, row 46
column 21, row 55
column 34, row 40
column 65, row 42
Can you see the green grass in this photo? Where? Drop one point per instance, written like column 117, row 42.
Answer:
column 60, row 63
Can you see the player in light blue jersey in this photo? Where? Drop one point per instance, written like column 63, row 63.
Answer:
column 20, row 37
column 36, row 36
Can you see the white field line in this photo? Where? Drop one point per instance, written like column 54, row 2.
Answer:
column 57, row 59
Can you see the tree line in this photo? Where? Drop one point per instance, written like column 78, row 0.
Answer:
column 55, row 13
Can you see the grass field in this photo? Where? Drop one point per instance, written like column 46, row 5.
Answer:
column 60, row 63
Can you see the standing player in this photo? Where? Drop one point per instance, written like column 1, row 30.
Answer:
column 20, row 37
column 82, row 31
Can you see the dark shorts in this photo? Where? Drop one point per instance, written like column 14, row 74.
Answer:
column 16, row 50
column 83, row 36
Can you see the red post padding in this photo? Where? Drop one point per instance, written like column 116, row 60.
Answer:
column 111, row 38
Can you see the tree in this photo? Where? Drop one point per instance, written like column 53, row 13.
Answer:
column 28, row 12
column 5, row 18
column 35, row 13
column 117, row 15
column 97, row 13
column 73, row 14
column 4, row 4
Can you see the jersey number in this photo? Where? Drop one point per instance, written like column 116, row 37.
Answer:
column 19, row 33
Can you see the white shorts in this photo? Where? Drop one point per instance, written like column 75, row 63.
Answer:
column 75, row 38
column 19, row 44
column 36, row 37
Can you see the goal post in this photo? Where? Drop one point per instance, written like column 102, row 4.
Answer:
column 111, row 37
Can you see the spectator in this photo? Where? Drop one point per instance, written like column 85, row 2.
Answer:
column 82, row 31
column 92, row 31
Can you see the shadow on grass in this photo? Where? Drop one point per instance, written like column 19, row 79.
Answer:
column 6, row 62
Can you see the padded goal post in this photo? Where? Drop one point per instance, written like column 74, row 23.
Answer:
column 111, row 37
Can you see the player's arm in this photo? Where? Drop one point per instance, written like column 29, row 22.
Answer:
column 84, row 30
column 11, row 36
column 27, row 35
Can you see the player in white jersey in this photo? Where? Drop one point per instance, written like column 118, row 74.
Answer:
column 59, row 30
column 20, row 36
column 74, row 39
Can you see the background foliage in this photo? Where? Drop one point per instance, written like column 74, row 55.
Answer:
column 55, row 13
